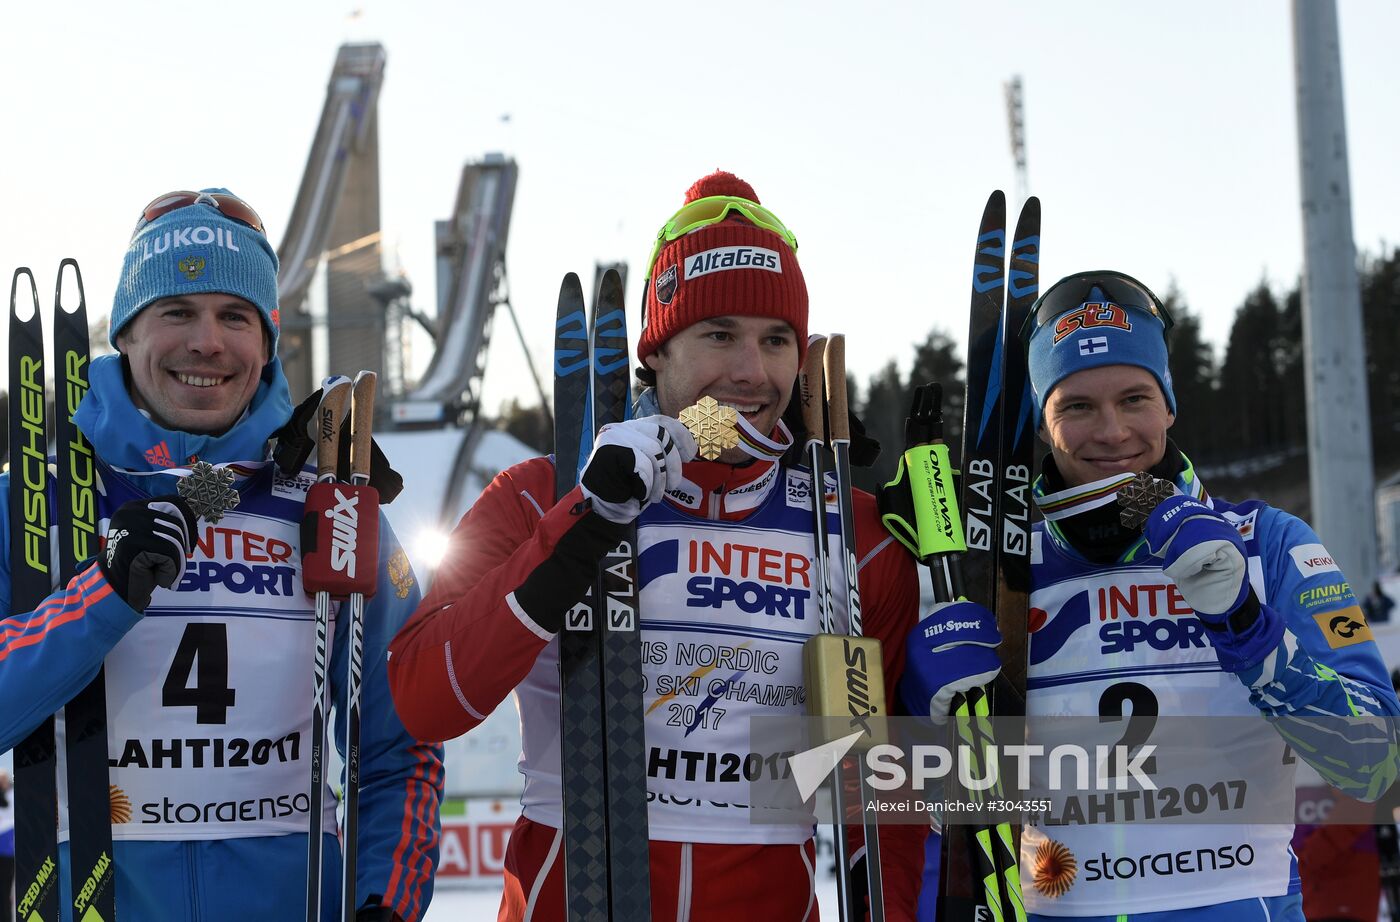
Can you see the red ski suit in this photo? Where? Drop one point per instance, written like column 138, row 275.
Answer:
column 517, row 562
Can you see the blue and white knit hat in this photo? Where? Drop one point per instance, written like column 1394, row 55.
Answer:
column 1094, row 319
column 194, row 250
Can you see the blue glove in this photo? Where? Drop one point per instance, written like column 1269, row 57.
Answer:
column 951, row 650
column 1204, row 555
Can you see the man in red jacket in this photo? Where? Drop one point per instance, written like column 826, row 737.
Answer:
column 725, row 317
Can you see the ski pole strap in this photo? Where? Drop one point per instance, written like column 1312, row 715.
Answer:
column 919, row 507
column 292, row 446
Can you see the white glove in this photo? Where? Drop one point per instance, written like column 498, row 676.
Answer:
column 634, row 463
column 1202, row 553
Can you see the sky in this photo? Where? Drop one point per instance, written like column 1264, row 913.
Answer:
column 1161, row 138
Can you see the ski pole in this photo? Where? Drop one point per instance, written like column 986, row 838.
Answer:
column 809, row 391
column 938, row 540
column 356, row 517
column 839, row 433
column 335, row 394
column 843, row 673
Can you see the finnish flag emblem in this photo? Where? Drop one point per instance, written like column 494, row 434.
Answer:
column 1093, row 345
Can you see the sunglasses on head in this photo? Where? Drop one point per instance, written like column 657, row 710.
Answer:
column 230, row 206
column 711, row 210
column 1073, row 292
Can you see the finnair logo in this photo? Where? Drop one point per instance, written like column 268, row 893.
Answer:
column 345, row 523
column 1093, row 345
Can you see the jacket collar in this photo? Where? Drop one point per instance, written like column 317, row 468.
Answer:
column 124, row 437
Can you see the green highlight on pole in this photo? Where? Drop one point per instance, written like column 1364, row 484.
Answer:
column 922, row 510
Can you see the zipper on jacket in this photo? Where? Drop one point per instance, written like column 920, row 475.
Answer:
column 192, row 877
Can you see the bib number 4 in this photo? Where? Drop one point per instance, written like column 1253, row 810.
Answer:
column 198, row 675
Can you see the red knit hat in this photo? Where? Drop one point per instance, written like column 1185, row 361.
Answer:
column 729, row 268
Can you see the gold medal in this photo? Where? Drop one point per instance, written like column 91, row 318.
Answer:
column 715, row 427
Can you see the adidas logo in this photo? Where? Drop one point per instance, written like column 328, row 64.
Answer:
column 159, row 455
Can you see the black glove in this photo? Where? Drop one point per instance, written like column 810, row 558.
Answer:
column 292, row 445
column 376, row 914
column 146, row 546
column 633, row 464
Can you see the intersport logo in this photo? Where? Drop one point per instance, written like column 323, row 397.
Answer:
column 345, row 525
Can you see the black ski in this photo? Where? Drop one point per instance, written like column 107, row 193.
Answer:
column 967, row 861
column 980, row 864
column 85, row 717
column 623, row 682
column 1017, row 460
column 36, row 763
column 583, row 771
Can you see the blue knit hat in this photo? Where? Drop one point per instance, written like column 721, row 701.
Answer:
column 193, row 250
column 1094, row 319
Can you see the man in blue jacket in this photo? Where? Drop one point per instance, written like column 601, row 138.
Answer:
column 1212, row 608
column 205, row 631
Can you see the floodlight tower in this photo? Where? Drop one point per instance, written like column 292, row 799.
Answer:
column 1016, row 122
column 1341, row 477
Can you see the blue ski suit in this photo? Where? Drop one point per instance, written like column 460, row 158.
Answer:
column 209, row 693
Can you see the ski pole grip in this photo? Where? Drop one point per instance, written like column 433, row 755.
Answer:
column 834, row 365
column 330, row 414
column 845, row 685
column 936, row 513
column 362, row 425
column 340, row 540
column 809, row 386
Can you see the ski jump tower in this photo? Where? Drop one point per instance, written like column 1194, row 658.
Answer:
column 471, row 283
column 335, row 221
column 335, row 224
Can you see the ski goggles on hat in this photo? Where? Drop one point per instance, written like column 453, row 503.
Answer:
column 230, row 206
column 711, row 210
column 1074, row 292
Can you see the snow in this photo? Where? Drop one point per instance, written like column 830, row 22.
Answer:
column 426, row 459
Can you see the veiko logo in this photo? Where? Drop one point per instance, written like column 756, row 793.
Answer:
column 345, row 524
column 159, row 455
column 1312, row 559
